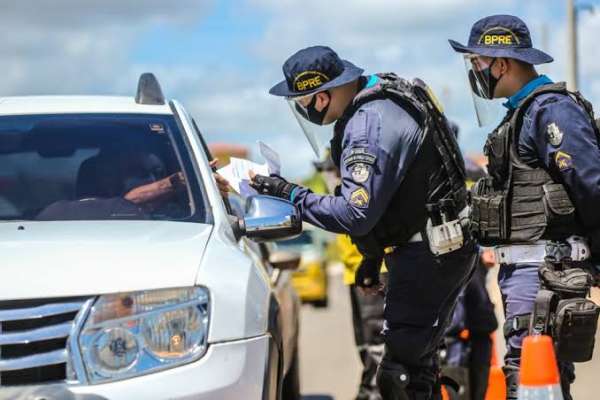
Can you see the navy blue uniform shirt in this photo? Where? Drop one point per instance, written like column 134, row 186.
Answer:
column 379, row 144
column 558, row 135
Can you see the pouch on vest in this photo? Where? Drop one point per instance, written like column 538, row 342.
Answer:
column 560, row 210
column 574, row 329
column 571, row 282
column 488, row 212
column 496, row 149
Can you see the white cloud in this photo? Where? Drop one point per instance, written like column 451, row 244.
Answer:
column 72, row 46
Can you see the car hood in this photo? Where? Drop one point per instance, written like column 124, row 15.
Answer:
column 78, row 258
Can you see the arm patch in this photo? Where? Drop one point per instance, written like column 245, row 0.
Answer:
column 563, row 161
column 359, row 155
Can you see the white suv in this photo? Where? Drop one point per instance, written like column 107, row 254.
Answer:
column 124, row 273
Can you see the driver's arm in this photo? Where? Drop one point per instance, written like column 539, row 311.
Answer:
column 156, row 191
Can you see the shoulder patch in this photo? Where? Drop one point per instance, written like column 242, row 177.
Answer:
column 359, row 198
column 563, row 161
column 555, row 135
column 359, row 155
column 360, row 172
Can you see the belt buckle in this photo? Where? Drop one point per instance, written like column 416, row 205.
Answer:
column 558, row 252
column 515, row 323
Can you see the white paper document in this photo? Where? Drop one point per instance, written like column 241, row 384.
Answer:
column 237, row 172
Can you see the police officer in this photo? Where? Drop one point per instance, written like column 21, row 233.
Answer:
column 367, row 310
column 543, row 187
column 402, row 178
column 468, row 344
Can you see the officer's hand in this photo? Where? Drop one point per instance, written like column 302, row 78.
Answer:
column 488, row 258
column 222, row 183
column 273, row 185
column 366, row 276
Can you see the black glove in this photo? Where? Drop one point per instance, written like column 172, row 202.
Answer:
column 273, row 185
column 367, row 274
column 337, row 191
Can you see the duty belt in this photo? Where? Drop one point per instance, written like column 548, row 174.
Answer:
column 418, row 237
column 537, row 252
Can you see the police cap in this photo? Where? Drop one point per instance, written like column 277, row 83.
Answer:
column 313, row 70
column 502, row 36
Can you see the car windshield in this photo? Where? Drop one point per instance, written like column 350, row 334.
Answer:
column 96, row 167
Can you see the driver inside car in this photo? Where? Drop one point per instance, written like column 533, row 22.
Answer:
column 137, row 177
column 117, row 186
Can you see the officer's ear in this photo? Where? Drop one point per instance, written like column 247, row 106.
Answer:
column 502, row 65
column 323, row 100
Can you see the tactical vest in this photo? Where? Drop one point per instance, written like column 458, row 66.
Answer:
column 436, row 173
column 519, row 203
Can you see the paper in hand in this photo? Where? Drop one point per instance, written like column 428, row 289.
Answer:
column 272, row 158
column 237, row 172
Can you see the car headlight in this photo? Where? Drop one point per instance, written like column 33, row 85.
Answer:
column 129, row 334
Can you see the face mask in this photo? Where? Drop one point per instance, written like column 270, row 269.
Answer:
column 483, row 83
column 310, row 112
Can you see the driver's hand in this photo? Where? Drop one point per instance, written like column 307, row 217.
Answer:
column 222, row 183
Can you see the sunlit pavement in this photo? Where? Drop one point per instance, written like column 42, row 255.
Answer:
column 330, row 367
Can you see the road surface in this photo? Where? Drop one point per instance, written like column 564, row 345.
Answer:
column 330, row 367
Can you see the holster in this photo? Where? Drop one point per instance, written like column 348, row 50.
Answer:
column 562, row 311
column 574, row 329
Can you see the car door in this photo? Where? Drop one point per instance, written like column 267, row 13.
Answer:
column 289, row 304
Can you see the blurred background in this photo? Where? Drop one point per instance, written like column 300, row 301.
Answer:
column 220, row 57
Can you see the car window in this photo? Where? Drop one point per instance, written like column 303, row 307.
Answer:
column 96, row 167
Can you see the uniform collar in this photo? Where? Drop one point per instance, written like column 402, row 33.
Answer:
column 513, row 101
column 372, row 81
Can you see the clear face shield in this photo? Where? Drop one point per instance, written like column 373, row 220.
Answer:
column 303, row 109
column 482, row 84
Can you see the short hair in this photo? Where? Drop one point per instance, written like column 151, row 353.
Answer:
column 523, row 64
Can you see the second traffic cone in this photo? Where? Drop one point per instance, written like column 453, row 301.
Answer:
column 496, row 389
column 539, row 378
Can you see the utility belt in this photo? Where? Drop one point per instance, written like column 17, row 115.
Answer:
column 576, row 248
column 447, row 228
column 561, row 308
column 445, row 236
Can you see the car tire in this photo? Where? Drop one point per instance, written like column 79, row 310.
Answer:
column 291, row 382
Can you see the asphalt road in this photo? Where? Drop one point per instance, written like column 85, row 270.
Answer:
column 330, row 367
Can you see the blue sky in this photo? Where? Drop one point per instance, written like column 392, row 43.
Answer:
column 220, row 57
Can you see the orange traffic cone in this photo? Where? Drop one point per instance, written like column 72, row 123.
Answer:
column 539, row 378
column 496, row 389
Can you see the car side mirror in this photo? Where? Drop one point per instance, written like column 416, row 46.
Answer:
column 285, row 260
column 269, row 218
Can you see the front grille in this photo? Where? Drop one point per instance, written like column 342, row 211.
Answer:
column 34, row 340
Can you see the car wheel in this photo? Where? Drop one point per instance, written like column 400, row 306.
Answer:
column 291, row 382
